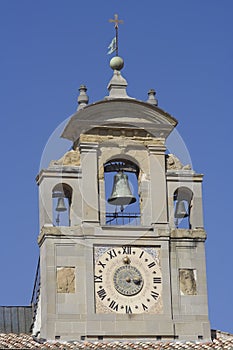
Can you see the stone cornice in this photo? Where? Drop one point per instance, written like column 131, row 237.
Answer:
column 137, row 233
column 126, row 112
column 184, row 176
column 87, row 147
column 59, row 171
column 191, row 234
column 58, row 231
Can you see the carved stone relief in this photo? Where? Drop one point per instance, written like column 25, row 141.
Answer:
column 172, row 162
column 70, row 158
column 188, row 285
column 65, row 280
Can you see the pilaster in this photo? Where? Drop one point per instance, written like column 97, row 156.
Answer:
column 89, row 184
column 158, row 184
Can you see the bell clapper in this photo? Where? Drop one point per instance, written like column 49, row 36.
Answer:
column 58, row 219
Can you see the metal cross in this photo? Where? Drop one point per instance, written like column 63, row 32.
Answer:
column 116, row 21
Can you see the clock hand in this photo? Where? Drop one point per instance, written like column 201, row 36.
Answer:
column 126, row 260
column 137, row 280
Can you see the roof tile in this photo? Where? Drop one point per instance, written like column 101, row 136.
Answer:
column 24, row 341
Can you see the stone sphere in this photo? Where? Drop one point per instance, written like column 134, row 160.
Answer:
column 117, row 63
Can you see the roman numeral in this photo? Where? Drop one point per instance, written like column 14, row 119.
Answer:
column 157, row 279
column 140, row 256
column 101, row 264
column 112, row 253
column 126, row 250
column 101, row 293
column 151, row 264
column 154, row 295
column 128, row 309
column 98, row 279
column 144, row 307
column 113, row 305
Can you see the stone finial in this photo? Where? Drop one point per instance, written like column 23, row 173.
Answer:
column 82, row 98
column 117, row 85
column 151, row 97
column 117, row 63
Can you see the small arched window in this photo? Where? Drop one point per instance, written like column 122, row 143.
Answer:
column 62, row 197
column 121, row 192
column 182, row 206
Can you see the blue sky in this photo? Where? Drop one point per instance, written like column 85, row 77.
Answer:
column 183, row 49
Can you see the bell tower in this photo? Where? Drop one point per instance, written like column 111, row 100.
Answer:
column 122, row 242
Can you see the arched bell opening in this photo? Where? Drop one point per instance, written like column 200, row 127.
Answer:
column 121, row 192
column 62, row 197
column 182, row 207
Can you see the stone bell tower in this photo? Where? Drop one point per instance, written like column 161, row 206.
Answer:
column 122, row 242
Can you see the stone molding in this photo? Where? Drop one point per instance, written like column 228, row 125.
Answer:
column 198, row 233
column 57, row 231
column 127, row 112
column 59, row 172
column 138, row 232
column 132, row 135
column 156, row 149
column 184, row 176
column 88, row 147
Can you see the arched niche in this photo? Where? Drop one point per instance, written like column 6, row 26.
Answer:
column 62, row 198
column 182, row 207
column 121, row 192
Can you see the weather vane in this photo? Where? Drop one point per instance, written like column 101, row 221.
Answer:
column 114, row 43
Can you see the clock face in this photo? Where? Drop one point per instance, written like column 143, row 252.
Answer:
column 128, row 279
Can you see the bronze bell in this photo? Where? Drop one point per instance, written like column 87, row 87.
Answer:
column 61, row 205
column 121, row 193
column 180, row 211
